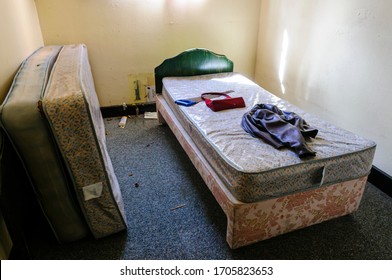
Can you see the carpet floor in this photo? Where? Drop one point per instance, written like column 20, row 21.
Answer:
column 172, row 215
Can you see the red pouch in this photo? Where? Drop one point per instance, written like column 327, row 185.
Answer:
column 222, row 104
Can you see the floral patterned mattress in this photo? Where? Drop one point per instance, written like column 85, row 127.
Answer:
column 251, row 169
column 72, row 109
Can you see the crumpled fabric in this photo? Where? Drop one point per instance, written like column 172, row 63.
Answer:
column 279, row 128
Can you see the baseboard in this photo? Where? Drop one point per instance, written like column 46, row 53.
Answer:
column 119, row 110
column 381, row 180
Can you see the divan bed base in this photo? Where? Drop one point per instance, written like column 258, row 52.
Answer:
column 249, row 223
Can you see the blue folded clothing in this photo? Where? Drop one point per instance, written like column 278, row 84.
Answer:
column 185, row 102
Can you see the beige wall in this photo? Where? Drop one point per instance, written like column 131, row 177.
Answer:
column 20, row 35
column 133, row 36
column 334, row 61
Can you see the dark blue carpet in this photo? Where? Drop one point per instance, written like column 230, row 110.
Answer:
column 172, row 214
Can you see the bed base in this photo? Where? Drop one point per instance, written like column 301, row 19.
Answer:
column 249, row 223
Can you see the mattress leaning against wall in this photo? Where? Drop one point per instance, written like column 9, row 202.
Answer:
column 72, row 109
column 33, row 141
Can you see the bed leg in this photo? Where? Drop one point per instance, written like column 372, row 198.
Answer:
column 161, row 120
column 230, row 235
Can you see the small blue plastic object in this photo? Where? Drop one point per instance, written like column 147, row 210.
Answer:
column 185, row 102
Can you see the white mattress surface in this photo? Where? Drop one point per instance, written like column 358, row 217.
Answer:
column 252, row 169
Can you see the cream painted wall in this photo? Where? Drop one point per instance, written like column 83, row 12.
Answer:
column 134, row 36
column 21, row 35
column 335, row 62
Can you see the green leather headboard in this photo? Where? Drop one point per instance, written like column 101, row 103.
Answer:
column 190, row 63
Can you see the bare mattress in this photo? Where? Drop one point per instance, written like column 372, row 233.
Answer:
column 72, row 110
column 251, row 169
column 52, row 116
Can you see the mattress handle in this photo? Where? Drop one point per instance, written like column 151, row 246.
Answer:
column 323, row 175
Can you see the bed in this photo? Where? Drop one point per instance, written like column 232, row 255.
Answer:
column 263, row 191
